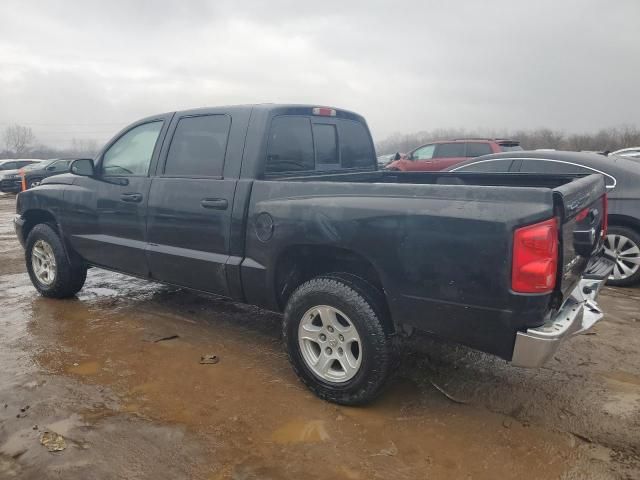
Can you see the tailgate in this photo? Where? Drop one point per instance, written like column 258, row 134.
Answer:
column 581, row 206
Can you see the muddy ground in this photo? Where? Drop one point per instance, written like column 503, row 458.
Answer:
column 116, row 372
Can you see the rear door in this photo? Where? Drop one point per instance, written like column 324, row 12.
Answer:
column 448, row 154
column 191, row 199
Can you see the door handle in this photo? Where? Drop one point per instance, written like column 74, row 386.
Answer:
column 131, row 197
column 215, row 203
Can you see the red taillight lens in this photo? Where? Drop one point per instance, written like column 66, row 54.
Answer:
column 605, row 215
column 324, row 112
column 535, row 258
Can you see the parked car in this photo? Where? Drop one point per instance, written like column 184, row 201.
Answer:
column 622, row 177
column 32, row 175
column 443, row 154
column 633, row 152
column 384, row 160
column 283, row 207
column 9, row 173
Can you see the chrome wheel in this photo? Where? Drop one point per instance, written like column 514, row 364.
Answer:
column 330, row 344
column 44, row 262
column 626, row 254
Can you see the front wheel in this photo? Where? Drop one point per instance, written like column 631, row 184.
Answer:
column 337, row 338
column 623, row 244
column 52, row 273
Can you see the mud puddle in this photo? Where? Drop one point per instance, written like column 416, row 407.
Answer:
column 117, row 373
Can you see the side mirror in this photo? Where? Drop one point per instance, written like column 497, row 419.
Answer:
column 51, row 168
column 83, row 167
column 396, row 156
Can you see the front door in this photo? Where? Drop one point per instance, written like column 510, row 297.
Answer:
column 106, row 214
column 190, row 202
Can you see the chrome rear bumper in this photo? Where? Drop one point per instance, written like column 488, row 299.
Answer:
column 579, row 313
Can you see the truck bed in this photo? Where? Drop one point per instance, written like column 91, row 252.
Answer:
column 441, row 242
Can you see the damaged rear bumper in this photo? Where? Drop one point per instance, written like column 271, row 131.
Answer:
column 578, row 314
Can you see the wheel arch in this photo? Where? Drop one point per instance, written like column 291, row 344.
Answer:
column 35, row 217
column 299, row 263
column 624, row 221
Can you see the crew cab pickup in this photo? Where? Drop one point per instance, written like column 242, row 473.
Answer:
column 282, row 206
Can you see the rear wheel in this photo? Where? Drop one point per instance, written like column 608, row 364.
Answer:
column 50, row 270
column 337, row 338
column 623, row 244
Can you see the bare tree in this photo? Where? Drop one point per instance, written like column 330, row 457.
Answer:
column 18, row 139
column 605, row 139
column 84, row 146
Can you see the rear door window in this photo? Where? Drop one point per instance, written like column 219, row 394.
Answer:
column 477, row 149
column 325, row 139
column 355, row 145
column 290, row 147
column 546, row 166
column 198, row 146
column 549, row 166
column 487, row 166
column 8, row 166
column 449, row 150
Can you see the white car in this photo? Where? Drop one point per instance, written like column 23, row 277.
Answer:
column 633, row 152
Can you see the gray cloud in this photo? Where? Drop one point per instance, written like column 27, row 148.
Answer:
column 85, row 69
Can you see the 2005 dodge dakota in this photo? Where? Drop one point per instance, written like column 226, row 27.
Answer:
column 282, row 206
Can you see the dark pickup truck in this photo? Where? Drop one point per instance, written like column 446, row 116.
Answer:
column 282, row 206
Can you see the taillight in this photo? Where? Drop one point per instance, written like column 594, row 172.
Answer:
column 605, row 215
column 535, row 258
column 324, row 112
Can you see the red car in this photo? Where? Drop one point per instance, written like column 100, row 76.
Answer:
column 446, row 153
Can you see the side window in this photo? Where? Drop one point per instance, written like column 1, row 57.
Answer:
column 290, row 146
column 325, row 140
column 487, row 166
column 355, row 145
column 131, row 154
column 198, row 146
column 8, row 166
column 58, row 166
column 545, row 166
column 424, row 153
column 450, row 150
column 476, row 149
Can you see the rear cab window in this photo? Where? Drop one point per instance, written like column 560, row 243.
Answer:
column 307, row 144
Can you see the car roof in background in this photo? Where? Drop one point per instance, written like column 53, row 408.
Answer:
column 5, row 160
column 589, row 159
column 624, row 169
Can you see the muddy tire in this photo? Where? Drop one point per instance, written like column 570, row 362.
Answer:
column 623, row 243
column 338, row 338
column 49, row 268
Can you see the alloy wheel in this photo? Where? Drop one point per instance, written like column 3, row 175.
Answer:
column 626, row 254
column 44, row 262
column 330, row 344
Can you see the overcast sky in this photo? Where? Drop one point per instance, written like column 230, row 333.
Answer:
column 86, row 68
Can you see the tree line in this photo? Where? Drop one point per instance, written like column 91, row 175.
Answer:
column 610, row 139
column 20, row 142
